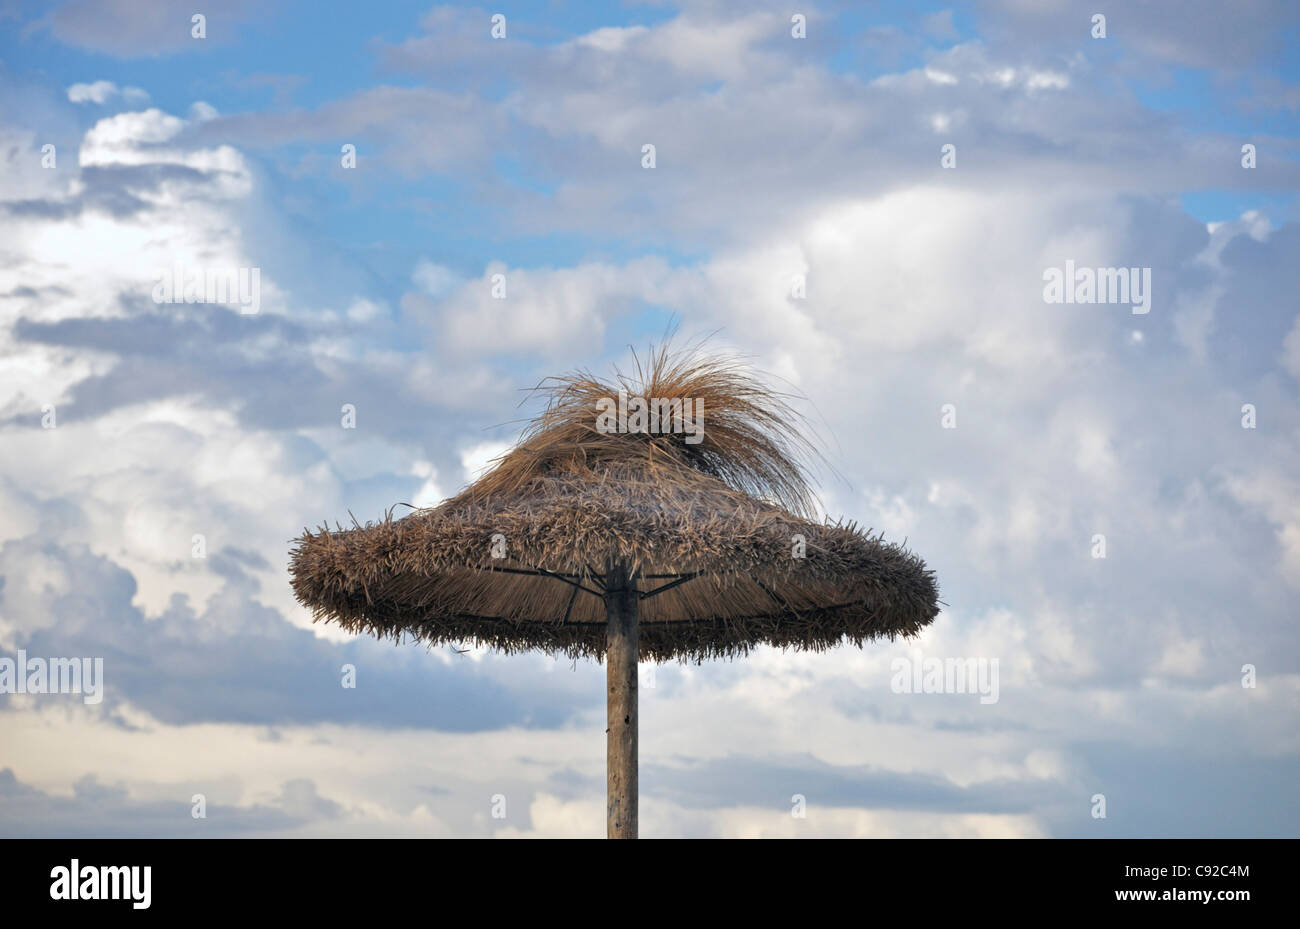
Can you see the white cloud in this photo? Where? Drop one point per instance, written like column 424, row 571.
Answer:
column 434, row 279
column 1276, row 496
column 100, row 92
column 477, row 459
column 202, row 112
column 545, row 310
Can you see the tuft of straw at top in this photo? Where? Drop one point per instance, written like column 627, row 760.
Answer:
column 752, row 437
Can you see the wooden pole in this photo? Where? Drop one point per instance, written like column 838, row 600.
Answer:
column 621, row 601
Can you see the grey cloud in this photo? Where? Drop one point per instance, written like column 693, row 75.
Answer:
column 111, row 189
column 1186, row 792
column 803, row 136
column 143, row 28
column 240, row 662
column 98, row 810
column 770, row 782
column 1148, row 791
column 1186, row 33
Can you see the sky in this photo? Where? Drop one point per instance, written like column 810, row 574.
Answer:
column 1110, row 499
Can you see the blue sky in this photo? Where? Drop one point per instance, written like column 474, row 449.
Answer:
column 776, row 157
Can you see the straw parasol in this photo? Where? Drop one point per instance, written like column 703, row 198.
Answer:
column 656, row 516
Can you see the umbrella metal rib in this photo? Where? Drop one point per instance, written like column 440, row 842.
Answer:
column 678, row 579
column 542, row 572
column 682, row 579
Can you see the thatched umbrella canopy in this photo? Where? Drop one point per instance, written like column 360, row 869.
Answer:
column 608, row 532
